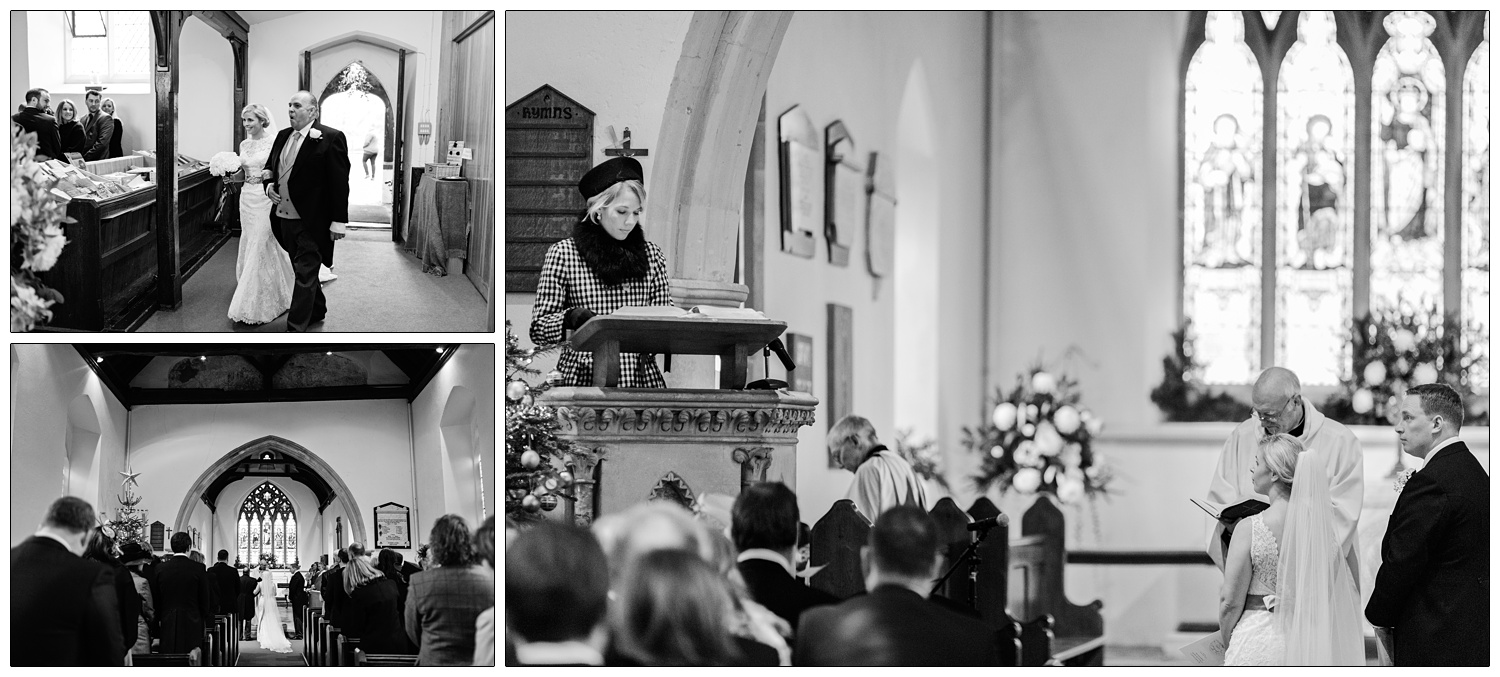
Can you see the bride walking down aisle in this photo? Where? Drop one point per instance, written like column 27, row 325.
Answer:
column 268, row 631
column 263, row 271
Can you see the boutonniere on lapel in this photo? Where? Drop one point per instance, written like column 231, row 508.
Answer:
column 315, row 134
column 1401, row 480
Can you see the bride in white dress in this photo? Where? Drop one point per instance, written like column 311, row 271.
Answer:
column 263, row 271
column 267, row 621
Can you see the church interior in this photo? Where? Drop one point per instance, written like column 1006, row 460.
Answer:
column 281, row 454
column 405, row 87
column 955, row 216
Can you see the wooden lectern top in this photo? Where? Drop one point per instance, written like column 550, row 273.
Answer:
column 734, row 340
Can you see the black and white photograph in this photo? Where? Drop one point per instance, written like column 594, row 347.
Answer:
column 976, row 338
column 334, row 171
column 229, row 504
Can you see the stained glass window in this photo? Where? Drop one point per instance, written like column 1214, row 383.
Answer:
column 1406, row 200
column 1222, row 211
column 123, row 55
column 1314, row 210
column 267, row 525
column 1476, row 212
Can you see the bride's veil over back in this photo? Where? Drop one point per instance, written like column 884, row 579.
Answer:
column 1317, row 599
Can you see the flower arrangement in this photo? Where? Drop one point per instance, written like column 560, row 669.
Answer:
column 922, row 455
column 36, row 235
column 225, row 164
column 1182, row 396
column 1393, row 351
column 1038, row 439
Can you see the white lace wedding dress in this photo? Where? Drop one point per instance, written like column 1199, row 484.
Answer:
column 263, row 271
column 1257, row 639
column 267, row 620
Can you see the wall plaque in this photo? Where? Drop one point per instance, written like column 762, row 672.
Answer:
column 844, row 182
column 392, row 526
column 801, row 159
column 549, row 146
column 840, row 365
column 880, row 231
column 158, row 537
column 800, row 346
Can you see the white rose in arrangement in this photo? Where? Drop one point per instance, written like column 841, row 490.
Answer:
column 1375, row 373
column 1362, row 401
column 1066, row 420
column 997, row 451
column 1043, row 382
column 1069, row 489
column 1032, row 413
column 1026, row 453
column 1048, row 442
column 1404, row 341
column 1424, row 374
column 1026, row 480
column 1072, row 455
column 1401, row 366
column 1093, row 424
column 1004, row 416
column 1028, row 430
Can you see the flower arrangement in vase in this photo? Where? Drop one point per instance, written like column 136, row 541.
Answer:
column 1039, row 439
column 1396, row 350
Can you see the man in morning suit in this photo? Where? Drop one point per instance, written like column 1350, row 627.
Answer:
column 895, row 625
column 333, row 590
column 297, row 594
column 34, row 118
column 309, row 183
column 226, row 585
column 98, row 128
column 181, row 592
column 63, row 609
column 1431, row 602
column 247, row 585
column 764, row 527
column 556, row 593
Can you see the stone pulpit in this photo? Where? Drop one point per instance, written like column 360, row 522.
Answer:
column 638, row 444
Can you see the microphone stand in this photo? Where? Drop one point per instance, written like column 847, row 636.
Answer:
column 971, row 556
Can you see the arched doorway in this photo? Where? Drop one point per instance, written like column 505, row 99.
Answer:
column 355, row 102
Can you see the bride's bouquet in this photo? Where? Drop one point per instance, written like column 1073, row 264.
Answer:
column 228, row 165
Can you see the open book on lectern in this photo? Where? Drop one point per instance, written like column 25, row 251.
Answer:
column 1233, row 512
column 695, row 312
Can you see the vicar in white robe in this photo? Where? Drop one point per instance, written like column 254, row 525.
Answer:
column 882, row 479
column 1280, row 407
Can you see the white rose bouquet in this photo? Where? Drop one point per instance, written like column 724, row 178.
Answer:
column 228, row 165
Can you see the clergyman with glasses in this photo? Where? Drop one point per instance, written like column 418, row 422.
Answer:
column 1279, row 407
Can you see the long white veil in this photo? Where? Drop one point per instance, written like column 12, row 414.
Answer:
column 1317, row 598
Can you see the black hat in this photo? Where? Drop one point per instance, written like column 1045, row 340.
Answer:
column 133, row 552
column 609, row 173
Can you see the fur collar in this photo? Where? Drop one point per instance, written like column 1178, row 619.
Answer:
column 614, row 261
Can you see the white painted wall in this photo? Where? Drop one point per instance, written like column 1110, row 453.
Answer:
column 451, row 449
column 135, row 102
column 367, row 442
column 205, row 95
column 45, row 380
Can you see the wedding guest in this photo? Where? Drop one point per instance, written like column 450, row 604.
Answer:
column 672, row 609
column 134, row 557
column 183, row 595
column 882, row 479
column 484, row 626
column 556, row 594
column 226, row 584
column 99, row 127
column 1279, row 407
column 765, row 521
column 370, row 614
column 759, row 634
column 389, row 563
column 296, row 594
column 101, row 549
column 1431, row 602
column 63, row 608
column 315, row 576
column 74, row 139
column 894, row 624
column 115, row 140
column 445, row 601
column 33, row 117
column 371, row 149
column 606, row 264
column 422, row 563
column 332, row 587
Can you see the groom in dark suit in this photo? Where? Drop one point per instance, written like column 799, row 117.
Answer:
column 309, row 184
column 1431, row 602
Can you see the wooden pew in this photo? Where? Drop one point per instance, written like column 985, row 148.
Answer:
column 347, row 647
column 193, row 658
column 953, row 532
column 375, row 660
column 1036, row 589
column 319, row 633
column 331, row 645
column 836, row 540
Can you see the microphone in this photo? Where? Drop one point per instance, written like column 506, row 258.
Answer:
column 986, row 524
column 776, row 346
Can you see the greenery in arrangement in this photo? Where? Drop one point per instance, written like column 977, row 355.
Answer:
column 36, row 234
column 923, row 456
column 1039, row 439
column 1393, row 351
column 1182, row 395
column 533, row 451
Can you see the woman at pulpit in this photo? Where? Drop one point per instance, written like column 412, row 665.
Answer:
column 607, row 264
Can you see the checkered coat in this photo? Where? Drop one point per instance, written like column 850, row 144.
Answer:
column 567, row 282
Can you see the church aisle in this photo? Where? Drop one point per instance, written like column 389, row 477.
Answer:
column 380, row 288
column 251, row 655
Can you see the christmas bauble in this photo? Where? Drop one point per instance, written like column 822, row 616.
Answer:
column 531, row 503
column 565, row 477
column 550, row 484
column 530, row 459
column 515, row 390
column 549, row 502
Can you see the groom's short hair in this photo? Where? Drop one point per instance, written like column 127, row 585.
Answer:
column 1440, row 399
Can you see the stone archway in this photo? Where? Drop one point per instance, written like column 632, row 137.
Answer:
column 281, row 445
column 377, row 90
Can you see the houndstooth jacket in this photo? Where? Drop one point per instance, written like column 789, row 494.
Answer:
column 567, row 282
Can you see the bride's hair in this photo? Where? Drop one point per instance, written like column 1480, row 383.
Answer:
column 1279, row 453
column 260, row 113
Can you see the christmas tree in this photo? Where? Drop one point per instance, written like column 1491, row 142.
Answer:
column 129, row 524
column 534, row 455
